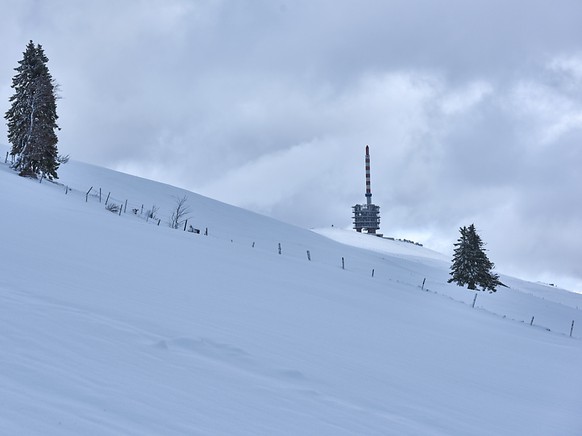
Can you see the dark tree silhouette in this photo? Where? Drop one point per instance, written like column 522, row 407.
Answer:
column 470, row 265
column 32, row 117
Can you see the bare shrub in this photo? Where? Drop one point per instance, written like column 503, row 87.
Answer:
column 181, row 210
column 151, row 213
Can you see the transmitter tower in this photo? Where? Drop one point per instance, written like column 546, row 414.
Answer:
column 367, row 216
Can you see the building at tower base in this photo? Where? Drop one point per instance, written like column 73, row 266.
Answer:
column 366, row 217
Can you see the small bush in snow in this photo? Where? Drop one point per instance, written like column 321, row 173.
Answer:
column 112, row 207
column 151, row 213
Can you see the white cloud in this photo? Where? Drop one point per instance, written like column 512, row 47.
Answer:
column 550, row 112
column 275, row 177
column 567, row 64
column 465, row 98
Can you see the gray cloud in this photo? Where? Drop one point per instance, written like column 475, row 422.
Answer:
column 472, row 110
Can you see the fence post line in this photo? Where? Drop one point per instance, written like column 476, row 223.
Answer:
column 120, row 210
column 125, row 208
column 423, row 281
column 572, row 328
column 531, row 322
column 6, row 158
column 185, row 224
column 474, row 299
column 99, row 195
column 343, row 263
column 372, row 272
column 279, row 248
column 87, row 194
column 308, row 256
column 107, row 199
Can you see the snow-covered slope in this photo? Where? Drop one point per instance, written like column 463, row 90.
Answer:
column 114, row 325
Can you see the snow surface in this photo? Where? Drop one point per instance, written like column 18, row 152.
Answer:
column 114, row 325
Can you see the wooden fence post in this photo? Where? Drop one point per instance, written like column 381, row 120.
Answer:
column 531, row 322
column 308, row 256
column 185, row 224
column 279, row 248
column 87, row 194
column 343, row 263
column 474, row 299
column 107, row 199
column 372, row 272
column 423, row 281
column 572, row 328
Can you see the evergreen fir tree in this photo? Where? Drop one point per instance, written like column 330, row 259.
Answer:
column 32, row 117
column 470, row 265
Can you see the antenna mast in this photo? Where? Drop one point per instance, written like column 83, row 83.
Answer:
column 367, row 216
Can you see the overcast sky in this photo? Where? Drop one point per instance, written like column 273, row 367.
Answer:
column 472, row 110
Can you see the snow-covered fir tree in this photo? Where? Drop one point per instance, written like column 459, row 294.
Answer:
column 471, row 266
column 32, row 117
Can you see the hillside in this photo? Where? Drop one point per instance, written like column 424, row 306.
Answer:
column 111, row 324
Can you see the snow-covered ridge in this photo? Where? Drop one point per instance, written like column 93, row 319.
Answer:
column 111, row 324
column 380, row 244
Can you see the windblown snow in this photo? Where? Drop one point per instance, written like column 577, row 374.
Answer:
column 115, row 324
